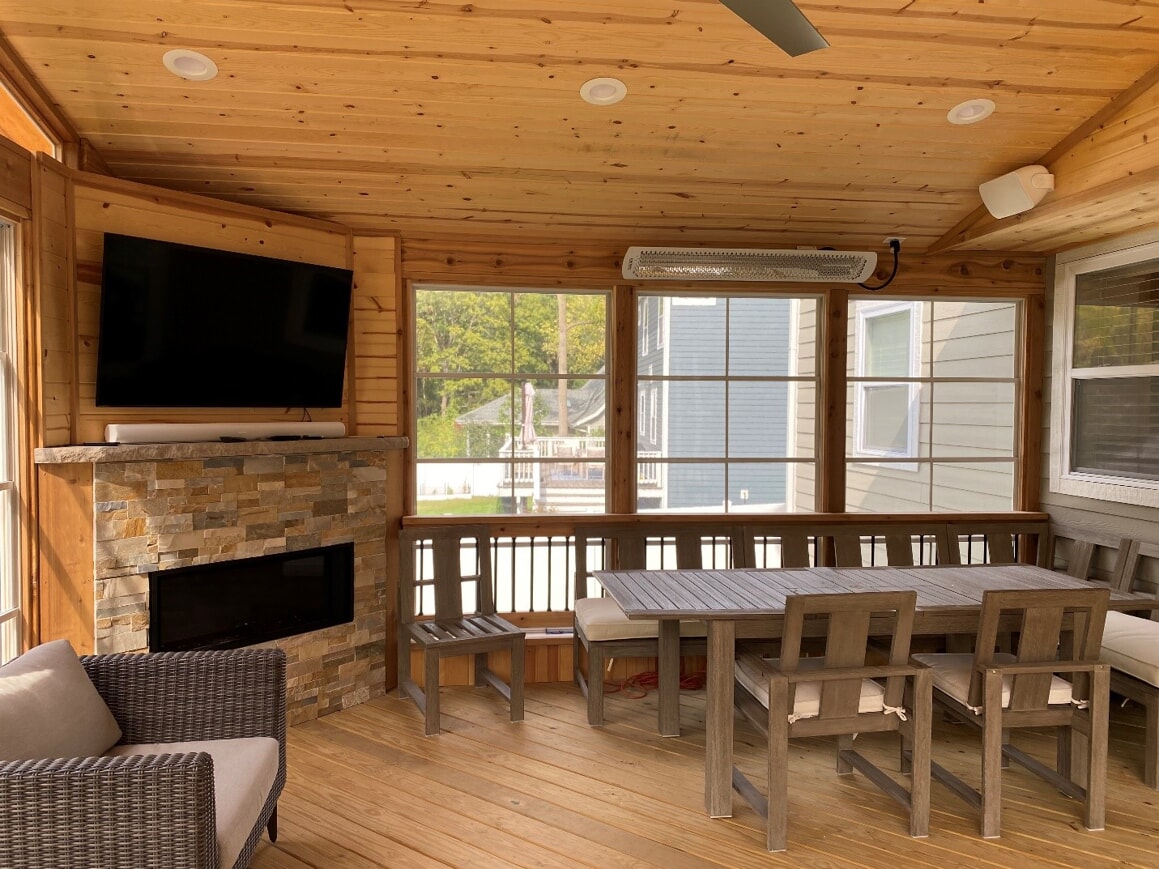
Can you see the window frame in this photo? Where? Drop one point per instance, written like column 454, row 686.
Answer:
column 514, row 376
column 1068, row 267
column 867, row 311
column 11, row 605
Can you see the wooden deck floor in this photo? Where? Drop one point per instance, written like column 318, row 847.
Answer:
column 367, row 789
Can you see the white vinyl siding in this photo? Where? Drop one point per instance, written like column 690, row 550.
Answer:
column 962, row 410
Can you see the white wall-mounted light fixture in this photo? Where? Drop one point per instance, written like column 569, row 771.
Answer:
column 1016, row 191
column 971, row 111
column 603, row 91
column 189, row 65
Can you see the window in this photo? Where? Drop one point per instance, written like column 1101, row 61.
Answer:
column 9, row 497
column 932, row 405
column 723, row 413
column 509, row 400
column 885, row 419
column 1105, row 405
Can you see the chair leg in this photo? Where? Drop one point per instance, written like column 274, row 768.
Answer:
column 777, row 823
column 518, row 660
column 844, row 743
column 272, row 825
column 992, row 756
column 1151, row 740
column 403, row 656
column 431, row 686
column 1066, row 755
column 595, row 685
column 1098, row 715
column 920, row 725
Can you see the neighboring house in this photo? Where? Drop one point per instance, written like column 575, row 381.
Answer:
column 692, row 418
column 931, row 422
column 695, row 410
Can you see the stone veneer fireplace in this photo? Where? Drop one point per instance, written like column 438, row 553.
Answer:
column 166, row 506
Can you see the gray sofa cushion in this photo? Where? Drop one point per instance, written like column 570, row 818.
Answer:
column 49, row 708
column 243, row 773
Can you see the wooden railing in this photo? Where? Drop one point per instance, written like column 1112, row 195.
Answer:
column 535, row 557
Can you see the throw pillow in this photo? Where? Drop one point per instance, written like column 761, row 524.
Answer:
column 49, row 708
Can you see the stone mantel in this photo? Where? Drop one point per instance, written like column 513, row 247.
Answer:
column 86, row 454
column 114, row 516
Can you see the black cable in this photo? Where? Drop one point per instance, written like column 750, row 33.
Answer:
column 895, row 246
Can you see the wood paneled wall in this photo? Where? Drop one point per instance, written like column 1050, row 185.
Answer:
column 75, row 209
column 475, row 260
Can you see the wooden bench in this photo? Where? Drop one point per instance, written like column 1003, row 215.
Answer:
column 602, row 630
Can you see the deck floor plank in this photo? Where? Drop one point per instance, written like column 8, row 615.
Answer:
column 367, row 789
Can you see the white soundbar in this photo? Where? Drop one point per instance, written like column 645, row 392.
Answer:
column 190, row 432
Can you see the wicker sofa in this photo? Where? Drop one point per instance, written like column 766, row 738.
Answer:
column 190, row 783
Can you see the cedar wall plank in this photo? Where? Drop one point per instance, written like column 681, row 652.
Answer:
column 66, row 555
column 15, row 177
column 57, row 364
column 104, row 205
column 375, row 325
column 473, row 261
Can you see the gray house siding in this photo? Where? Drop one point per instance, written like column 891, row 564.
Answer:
column 750, row 418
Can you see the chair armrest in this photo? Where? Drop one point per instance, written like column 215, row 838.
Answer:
column 182, row 696
column 132, row 811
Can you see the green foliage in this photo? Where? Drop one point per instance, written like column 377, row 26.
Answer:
column 491, row 341
column 440, row 438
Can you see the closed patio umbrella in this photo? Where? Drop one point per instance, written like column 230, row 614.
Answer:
column 527, row 429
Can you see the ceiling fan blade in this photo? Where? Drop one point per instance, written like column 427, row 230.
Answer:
column 782, row 22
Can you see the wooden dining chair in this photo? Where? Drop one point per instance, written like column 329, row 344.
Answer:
column 859, row 545
column 996, row 542
column 839, row 695
column 1131, row 649
column 458, row 614
column 773, row 545
column 602, row 631
column 1059, row 632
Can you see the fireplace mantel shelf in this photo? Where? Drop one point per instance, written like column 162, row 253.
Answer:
column 92, row 454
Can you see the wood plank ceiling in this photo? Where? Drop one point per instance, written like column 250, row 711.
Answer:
column 452, row 118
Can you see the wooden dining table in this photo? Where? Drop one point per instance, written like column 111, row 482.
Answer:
column 751, row 603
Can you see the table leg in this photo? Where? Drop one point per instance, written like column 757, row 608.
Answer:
column 719, row 718
column 668, row 677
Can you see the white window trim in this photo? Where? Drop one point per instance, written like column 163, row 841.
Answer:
column 1064, row 481
column 645, row 326
column 866, row 312
column 9, row 500
column 652, row 410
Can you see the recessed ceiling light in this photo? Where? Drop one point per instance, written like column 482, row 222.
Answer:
column 191, row 65
column 971, row 111
column 603, row 91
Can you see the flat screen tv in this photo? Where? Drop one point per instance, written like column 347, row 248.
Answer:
column 185, row 326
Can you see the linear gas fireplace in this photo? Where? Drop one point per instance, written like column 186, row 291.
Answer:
column 227, row 604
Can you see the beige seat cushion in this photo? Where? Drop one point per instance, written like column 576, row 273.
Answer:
column 49, row 708
column 243, row 774
column 600, row 618
column 952, row 676
column 1131, row 646
column 807, row 699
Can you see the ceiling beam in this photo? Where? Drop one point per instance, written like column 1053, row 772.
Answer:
column 1075, row 193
